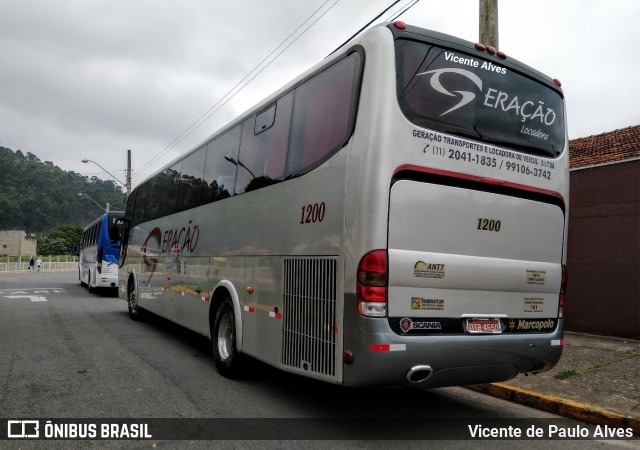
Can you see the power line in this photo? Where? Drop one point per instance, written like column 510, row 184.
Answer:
column 100, row 173
column 393, row 18
column 239, row 86
column 367, row 25
column 258, row 70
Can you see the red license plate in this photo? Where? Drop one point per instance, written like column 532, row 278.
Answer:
column 484, row 326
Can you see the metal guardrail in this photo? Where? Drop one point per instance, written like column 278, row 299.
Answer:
column 51, row 263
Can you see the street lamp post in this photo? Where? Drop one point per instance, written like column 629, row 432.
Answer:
column 99, row 205
column 127, row 185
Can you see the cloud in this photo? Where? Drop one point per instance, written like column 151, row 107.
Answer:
column 90, row 78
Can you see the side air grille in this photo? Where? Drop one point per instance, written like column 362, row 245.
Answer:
column 309, row 316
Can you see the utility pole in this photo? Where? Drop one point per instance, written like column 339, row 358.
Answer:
column 489, row 23
column 128, row 179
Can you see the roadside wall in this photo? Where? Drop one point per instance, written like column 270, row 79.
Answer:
column 16, row 243
column 603, row 293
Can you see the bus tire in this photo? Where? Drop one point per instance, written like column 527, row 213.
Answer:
column 135, row 312
column 225, row 353
column 91, row 289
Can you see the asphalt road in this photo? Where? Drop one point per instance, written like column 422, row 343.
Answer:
column 65, row 353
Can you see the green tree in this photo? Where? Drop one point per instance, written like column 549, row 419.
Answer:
column 60, row 241
column 39, row 197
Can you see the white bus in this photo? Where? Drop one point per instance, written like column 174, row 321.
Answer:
column 395, row 215
column 98, row 252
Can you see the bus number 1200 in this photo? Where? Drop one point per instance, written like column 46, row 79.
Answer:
column 489, row 225
column 312, row 213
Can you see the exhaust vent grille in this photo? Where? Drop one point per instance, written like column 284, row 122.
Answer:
column 309, row 316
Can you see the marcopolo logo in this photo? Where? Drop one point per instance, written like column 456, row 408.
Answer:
column 531, row 325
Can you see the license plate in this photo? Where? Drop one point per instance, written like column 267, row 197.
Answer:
column 484, row 326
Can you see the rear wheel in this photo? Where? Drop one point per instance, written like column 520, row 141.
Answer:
column 223, row 336
column 135, row 312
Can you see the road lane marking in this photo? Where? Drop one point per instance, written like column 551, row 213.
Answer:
column 33, row 294
column 33, row 298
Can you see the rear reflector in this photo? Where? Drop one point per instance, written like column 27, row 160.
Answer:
column 388, row 347
column 563, row 290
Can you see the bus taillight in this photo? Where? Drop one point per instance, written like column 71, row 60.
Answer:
column 371, row 287
column 563, row 290
column 99, row 259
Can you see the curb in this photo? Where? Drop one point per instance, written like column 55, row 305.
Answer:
column 558, row 405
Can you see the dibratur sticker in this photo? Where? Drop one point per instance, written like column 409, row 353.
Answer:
column 427, row 304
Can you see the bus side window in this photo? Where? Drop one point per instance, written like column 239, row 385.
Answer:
column 130, row 206
column 263, row 150
column 146, row 201
column 265, row 120
column 168, row 190
column 324, row 112
column 219, row 172
column 191, row 180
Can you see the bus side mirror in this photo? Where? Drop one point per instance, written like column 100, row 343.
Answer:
column 121, row 227
column 114, row 234
column 117, row 231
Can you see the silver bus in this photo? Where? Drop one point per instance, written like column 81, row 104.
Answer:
column 395, row 215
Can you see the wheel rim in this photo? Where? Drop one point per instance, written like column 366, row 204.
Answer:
column 225, row 336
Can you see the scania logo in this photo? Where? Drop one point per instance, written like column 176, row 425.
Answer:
column 465, row 96
column 405, row 324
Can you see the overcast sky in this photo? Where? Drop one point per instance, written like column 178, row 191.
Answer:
column 93, row 78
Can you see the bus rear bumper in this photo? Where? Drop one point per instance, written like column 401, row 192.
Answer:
column 379, row 356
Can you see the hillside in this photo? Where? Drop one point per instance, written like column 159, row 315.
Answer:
column 38, row 196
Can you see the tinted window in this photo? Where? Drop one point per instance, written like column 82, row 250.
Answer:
column 167, row 190
column 324, row 112
column 143, row 203
column 265, row 120
column 130, row 204
column 458, row 93
column 263, row 155
column 219, row 172
column 152, row 191
column 191, row 180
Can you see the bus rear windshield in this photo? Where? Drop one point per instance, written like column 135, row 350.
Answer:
column 454, row 92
